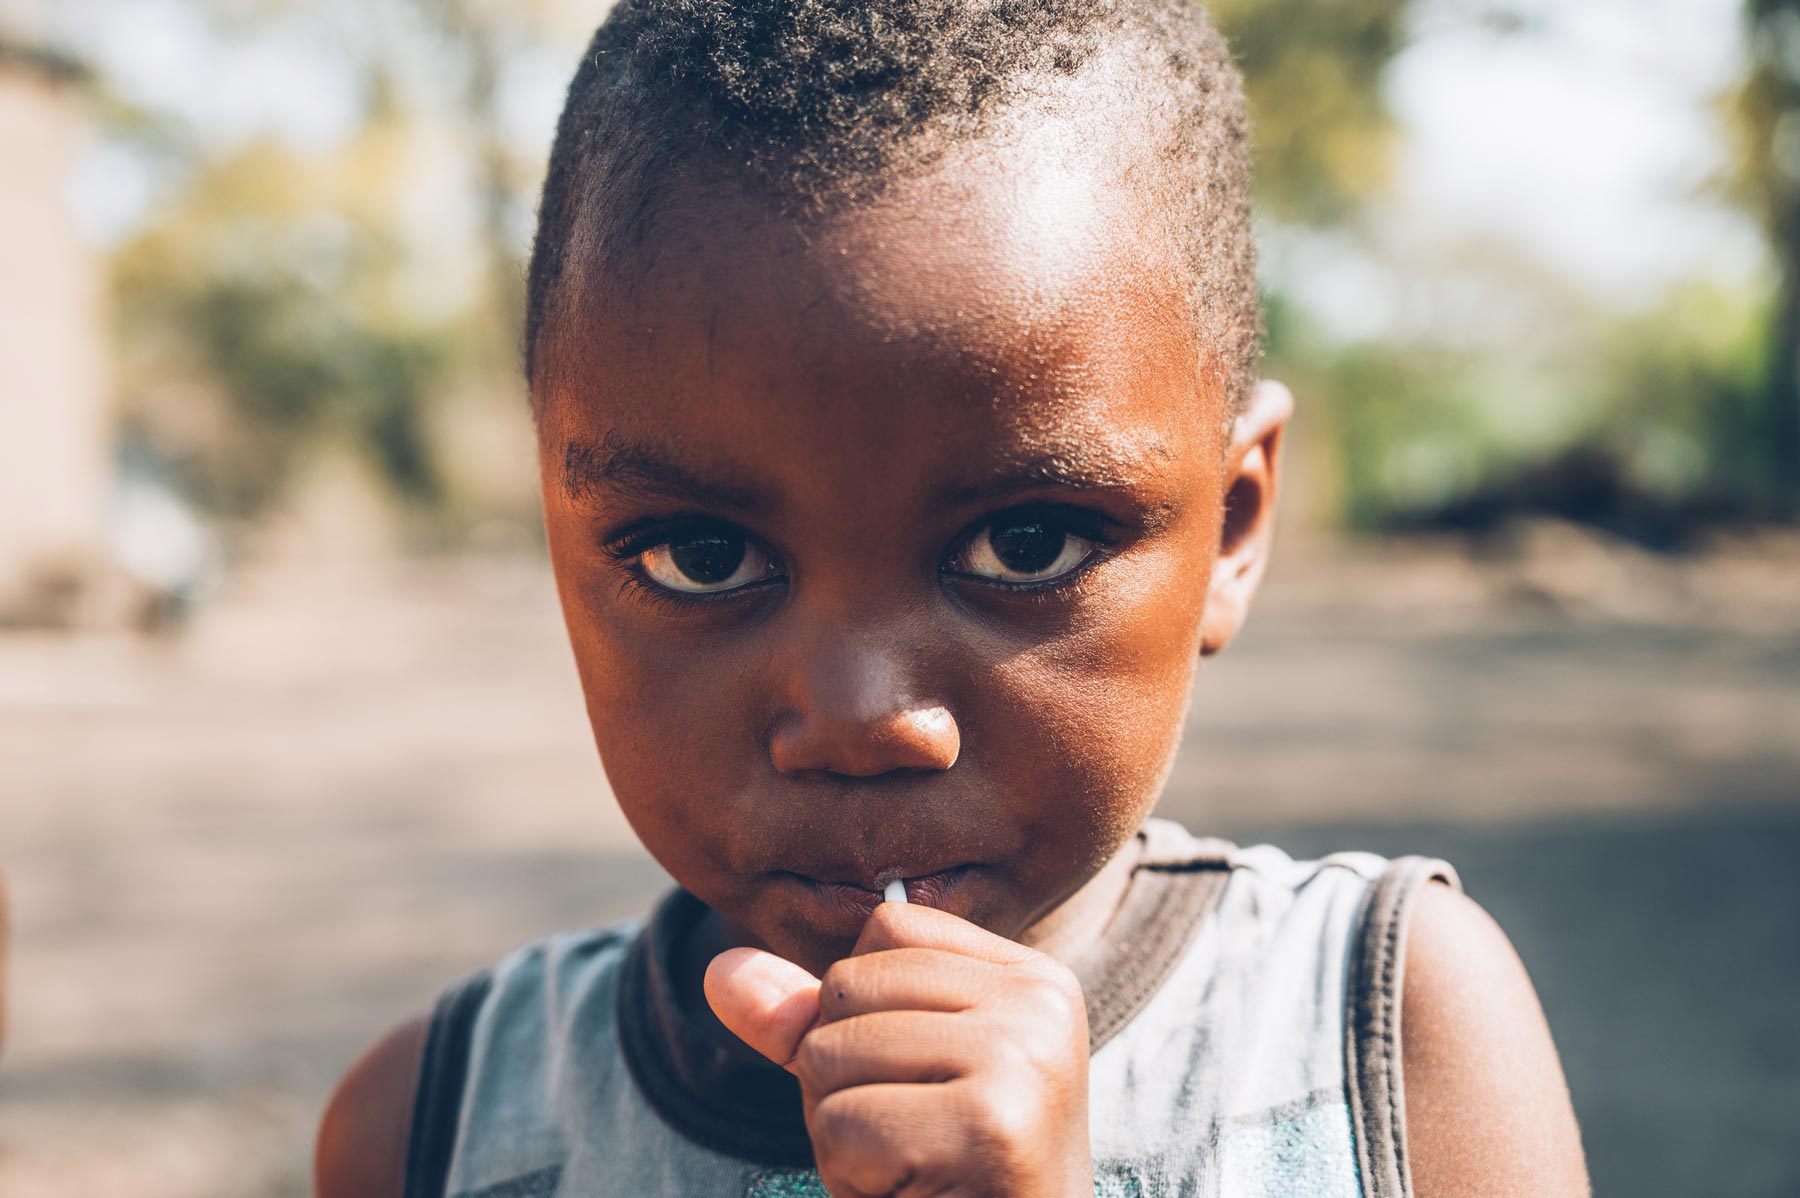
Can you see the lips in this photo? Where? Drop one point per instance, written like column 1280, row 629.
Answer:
column 851, row 899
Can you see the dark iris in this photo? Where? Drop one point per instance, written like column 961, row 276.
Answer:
column 1027, row 547
column 708, row 558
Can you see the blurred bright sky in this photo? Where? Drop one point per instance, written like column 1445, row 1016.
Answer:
column 1590, row 141
column 1587, row 141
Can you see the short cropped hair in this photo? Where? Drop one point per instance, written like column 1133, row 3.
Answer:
column 816, row 102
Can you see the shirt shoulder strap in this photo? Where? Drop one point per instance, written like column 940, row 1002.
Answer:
column 1372, row 1043
column 443, row 1070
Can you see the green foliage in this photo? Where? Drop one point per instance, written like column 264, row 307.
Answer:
column 272, row 296
column 1392, row 429
column 1764, row 116
column 1766, row 141
column 1324, row 140
column 301, row 369
column 1650, row 423
column 1680, row 394
column 1685, row 404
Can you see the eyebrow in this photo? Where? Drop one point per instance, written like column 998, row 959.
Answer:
column 628, row 469
column 1101, row 466
column 636, row 470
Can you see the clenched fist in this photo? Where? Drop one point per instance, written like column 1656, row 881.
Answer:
column 936, row 1060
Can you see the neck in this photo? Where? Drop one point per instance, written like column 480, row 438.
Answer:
column 1075, row 926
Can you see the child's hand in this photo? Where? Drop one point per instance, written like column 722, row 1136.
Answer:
column 937, row 1059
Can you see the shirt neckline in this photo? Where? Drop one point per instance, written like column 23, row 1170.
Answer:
column 706, row 1090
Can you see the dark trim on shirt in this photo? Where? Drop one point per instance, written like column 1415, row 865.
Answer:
column 443, row 1072
column 1372, row 1069
column 705, row 1087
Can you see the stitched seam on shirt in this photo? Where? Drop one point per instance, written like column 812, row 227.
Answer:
column 1389, row 1002
column 1371, row 1062
column 1389, row 906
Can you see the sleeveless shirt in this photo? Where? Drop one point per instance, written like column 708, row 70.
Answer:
column 1243, row 1020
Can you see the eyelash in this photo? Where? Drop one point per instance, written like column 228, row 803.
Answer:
column 1085, row 523
column 648, row 534
column 626, row 546
column 633, row 585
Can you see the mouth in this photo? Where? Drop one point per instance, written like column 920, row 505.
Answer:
column 842, row 902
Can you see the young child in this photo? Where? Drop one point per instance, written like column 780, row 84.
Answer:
column 892, row 366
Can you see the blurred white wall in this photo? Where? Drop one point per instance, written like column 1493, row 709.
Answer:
column 54, row 440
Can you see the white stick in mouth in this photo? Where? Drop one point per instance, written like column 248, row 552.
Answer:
column 895, row 892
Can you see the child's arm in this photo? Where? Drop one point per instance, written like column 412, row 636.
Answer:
column 361, row 1151
column 1487, row 1109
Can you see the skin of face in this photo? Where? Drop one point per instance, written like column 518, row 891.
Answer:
column 867, row 398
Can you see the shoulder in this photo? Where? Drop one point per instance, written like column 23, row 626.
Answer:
column 365, row 1137
column 361, row 1149
column 1487, row 1108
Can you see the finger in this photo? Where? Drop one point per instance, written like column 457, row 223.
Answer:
column 911, row 925
column 905, row 979
column 767, row 1002
column 898, row 1140
column 892, row 1046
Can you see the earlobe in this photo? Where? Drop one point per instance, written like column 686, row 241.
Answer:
column 1247, row 521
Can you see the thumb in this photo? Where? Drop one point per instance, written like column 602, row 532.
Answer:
column 767, row 1002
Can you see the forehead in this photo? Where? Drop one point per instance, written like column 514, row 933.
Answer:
column 1019, row 298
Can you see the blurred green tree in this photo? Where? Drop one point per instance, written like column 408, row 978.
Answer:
column 367, row 293
column 1765, row 109
column 271, row 306
column 1324, row 137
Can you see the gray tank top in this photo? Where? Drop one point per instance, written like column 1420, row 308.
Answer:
column 1243, row 1013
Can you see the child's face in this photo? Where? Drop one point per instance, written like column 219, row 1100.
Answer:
column 884, row 546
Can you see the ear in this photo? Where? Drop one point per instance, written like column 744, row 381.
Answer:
column 1250, row 484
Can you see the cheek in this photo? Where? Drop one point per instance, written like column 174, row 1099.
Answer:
column 1102, row 702
column 673, row 751
column 1113, row 729
column 668, row 720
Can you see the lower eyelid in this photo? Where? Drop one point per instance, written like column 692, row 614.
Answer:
column 1095, row 555
column 637, row 576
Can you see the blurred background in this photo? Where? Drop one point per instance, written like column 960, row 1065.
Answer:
column 288, row 732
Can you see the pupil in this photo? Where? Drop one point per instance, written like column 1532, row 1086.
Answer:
column 708, row 558
column 1029, row 548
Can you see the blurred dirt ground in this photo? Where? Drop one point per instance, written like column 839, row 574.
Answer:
column 237, row 856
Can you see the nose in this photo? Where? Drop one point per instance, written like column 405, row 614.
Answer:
column 852, row 714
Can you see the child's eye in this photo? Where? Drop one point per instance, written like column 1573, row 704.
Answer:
column 1022, row 547
column 707, row 561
